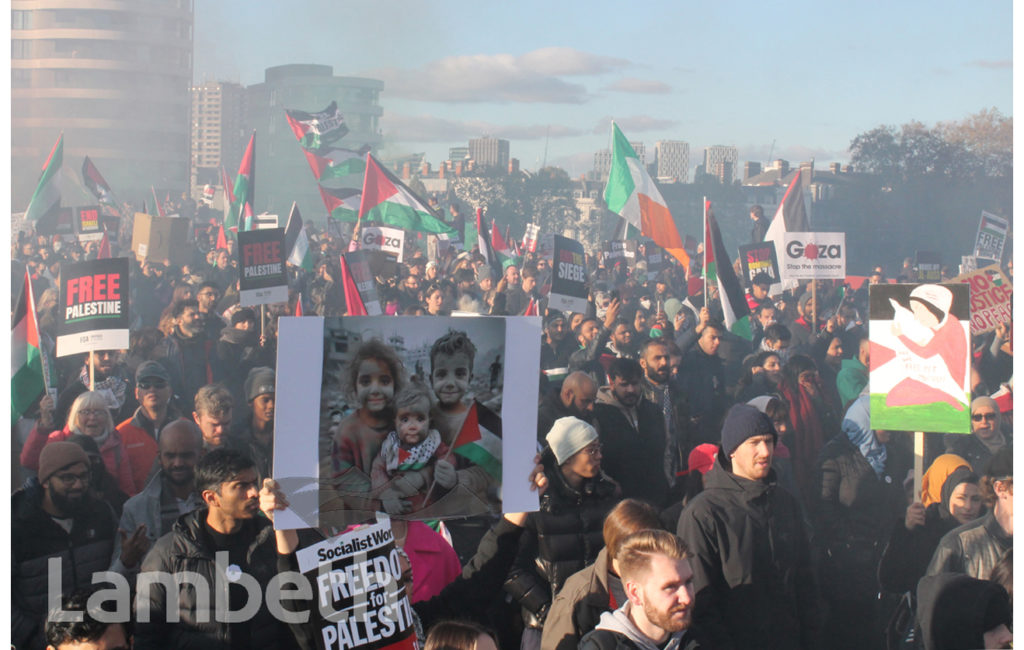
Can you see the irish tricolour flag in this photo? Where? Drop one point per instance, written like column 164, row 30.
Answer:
column 479, row 439
column 632, row 194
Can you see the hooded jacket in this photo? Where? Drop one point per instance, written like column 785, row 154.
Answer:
column 851, row 380
column 187, row 548
column 617, row 631
column 633, row 454
column 955, row 611
column 751, row 563
column 564, row 536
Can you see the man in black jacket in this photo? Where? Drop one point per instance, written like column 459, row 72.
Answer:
column 55, row 518
column 226, row 547
column 750, row 554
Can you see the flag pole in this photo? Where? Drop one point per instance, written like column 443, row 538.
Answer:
column 706, row 252
column 92, row 370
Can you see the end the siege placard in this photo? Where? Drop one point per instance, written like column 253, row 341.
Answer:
column 93, row 306
column 263, row 278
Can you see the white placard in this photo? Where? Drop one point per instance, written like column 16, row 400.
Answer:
column 387, row 240
column 813, row 256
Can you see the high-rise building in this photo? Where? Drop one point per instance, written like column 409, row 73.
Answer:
column 673, row 160
column 114, row 77
column 603, row 160
column 458, row 153
column 489, row 153
column 721, row 162
column 282, row 172
column 217, row 131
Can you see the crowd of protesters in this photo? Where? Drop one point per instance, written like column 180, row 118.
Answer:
column 699, row 490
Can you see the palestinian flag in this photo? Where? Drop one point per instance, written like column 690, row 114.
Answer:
column 298, row 305
column 46, row 198
column 791, row 216
column 718, row 272
column 99, row 187
column 104, row 250
column 486, row 246
column 632, row 194
column 479, row 439
column 501, row 247
column 354, row 305
column 27, row 376
column 342, row 203
column 296, row 243
column 229, row 194
column 531, row 308
column 156, row 201
column 317, row 130
column 243, row 196
column 337, row 163
column 387, row 200
column 222, row 240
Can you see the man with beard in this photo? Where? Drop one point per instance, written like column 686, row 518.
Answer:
column 662, row 391
column 55, row 518
column 750, row 553
column 186, row 352
column 239, row 350
column 632, row 431
column 207, row 297
column 702, row 379
column 139, row 432
column 576, row 398
column 110, row 376
column 555, row 347
column 226, row 537
column 213, row 406
column 150, row 514
column 658, row 582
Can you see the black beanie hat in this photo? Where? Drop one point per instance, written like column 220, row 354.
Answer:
column 741, row 422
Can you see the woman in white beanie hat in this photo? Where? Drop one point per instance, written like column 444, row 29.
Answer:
column 566, row 534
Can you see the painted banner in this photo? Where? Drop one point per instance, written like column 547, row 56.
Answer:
column 361, row 599
column 359, row 267
column 991, row 298
column 929, row 266
column 569, row 279
column 991, row 236
column 814, row 256
column 760, row 258
column 263, row 278
column 386, row 240
column 94, row 306
column 920, row 357
column 341, row 370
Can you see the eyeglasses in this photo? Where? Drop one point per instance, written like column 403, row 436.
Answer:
column 89, row 412
column 70, row 479
column 978, row 417
column 146, row 385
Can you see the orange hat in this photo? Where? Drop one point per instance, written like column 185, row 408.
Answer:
column 935, row 477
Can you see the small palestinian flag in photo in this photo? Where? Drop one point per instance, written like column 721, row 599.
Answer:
column 479, row 440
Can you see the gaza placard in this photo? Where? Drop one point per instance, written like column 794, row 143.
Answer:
column 814, row 256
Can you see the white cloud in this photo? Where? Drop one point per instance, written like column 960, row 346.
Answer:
column 499, row 78
column 643, row 86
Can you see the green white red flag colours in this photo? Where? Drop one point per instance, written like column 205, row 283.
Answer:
column 336, row 163
column 342, row 203
column 27, row 374
column 296, row 243
column 243, row 196
column 632, row 194
column 718, row 272
column 46, row 198
column 387, row 200
column 479, row 439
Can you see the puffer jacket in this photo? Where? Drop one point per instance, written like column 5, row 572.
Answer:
column 752, row 572
column 560, row 539
column 186, row 548
column 35, row 539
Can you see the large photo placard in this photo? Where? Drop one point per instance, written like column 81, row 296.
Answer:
column 405, row 416
column 94, row 306
column 920, row 357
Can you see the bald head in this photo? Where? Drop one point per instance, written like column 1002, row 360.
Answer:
column 579, row 391
column 181, row 442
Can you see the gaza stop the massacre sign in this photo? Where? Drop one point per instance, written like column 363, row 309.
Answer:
column 263, row 278
column 814, row 256
column 94, row 306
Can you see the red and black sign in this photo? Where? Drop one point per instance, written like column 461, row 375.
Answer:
column 87, row 220
column 760, row 258
column 93, row 306
column 262, row 273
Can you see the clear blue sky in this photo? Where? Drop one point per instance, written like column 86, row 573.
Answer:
column 807, row 75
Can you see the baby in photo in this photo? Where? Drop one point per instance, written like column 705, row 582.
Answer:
column 412, row 465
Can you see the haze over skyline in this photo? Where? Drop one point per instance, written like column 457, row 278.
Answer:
column 808, row 76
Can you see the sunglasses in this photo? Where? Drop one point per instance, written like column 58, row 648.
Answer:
column 146, row 384
column 978, row 417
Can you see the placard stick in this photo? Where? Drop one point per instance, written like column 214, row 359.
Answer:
column 92, row 371
column 263, row 318
column 814, row 308
column 918, row 463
